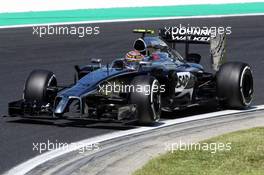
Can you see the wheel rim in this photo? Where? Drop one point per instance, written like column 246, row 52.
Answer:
column 155, row 101
column 51, row 83
column 246, row 86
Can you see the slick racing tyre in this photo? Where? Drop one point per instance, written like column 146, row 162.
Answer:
column 235, row 85
column 147, row 100
column 37, row 84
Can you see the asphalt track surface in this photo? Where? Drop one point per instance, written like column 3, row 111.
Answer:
column 21, row 52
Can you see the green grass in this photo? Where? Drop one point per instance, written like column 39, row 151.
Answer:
column 246, row 157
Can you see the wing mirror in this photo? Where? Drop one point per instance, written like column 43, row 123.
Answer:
column 145, row 63
column 193, row 58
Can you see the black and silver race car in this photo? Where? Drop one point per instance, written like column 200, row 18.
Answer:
column 123, row 92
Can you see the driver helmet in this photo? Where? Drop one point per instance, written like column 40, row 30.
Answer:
column 134, row 56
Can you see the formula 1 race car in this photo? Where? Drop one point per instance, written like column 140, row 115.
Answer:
column 152, row 78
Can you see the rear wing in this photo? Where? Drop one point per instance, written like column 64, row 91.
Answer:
column 217, row 42
column 144, row 31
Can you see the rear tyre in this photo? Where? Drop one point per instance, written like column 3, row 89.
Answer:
column 37, row 84
column 235, row 85
column 147, row 100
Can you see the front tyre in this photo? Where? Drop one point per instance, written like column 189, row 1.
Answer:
column 235, row 85
column 146, row 97
column 37, row 84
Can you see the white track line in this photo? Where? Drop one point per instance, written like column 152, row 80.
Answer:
column 131, row 20
column 30, row 164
